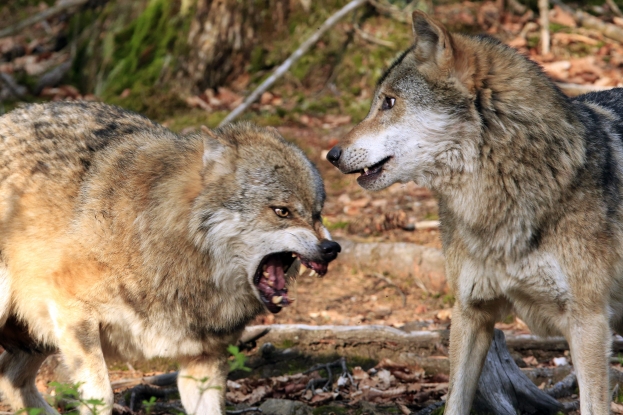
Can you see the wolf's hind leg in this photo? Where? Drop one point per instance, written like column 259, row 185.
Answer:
column 201, row 383
column 17, row 380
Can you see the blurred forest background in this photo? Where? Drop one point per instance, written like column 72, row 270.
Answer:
column 187, row 63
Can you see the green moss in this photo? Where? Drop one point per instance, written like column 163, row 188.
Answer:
column 448, row 299
column 330, row 410
column 286, row 344
column 334, row 225
column 142, row 45
column 194, row 118
column 431, row 216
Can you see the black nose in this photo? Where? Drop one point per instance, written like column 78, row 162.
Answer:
column 329, row 249
column 334, row 155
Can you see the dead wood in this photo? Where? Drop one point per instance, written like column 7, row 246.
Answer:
column 373, row 39
column 14, row 89
column 46, row 14
column 298, row 53
column 166, row 379
column 591, row 22
column 565, row 387
column 393, row 12
column 614, row 8
column 504, row 389
column 53, row 77
column 517, row 7
column 544, row 22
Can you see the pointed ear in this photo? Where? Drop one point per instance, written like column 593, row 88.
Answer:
column 432, row 40
column 213, row 148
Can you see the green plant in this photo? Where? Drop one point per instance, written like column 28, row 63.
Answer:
column 149, row 405
column 238, row 362
column 68, row 396
column 29, row 411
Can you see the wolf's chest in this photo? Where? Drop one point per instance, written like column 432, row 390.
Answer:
column 536, row 287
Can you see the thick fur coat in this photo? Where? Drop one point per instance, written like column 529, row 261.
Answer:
column 121, row 238
column 529, row 184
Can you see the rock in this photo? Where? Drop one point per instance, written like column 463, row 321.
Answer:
column 424, row 264
column 285, row 407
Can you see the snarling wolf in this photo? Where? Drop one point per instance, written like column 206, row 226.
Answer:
column 120, row 238
column 529, row 184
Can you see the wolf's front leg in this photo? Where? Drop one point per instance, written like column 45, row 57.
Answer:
column 82, row 353
column 201, row 382
column 470, row 337
column 590, row 343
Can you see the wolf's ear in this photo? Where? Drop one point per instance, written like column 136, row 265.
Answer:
column 213, row 147
column 432, row 40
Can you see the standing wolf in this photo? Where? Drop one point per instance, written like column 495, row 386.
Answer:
column 529, row 184
column 121, row 238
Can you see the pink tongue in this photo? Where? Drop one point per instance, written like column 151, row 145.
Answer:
column 275, row 272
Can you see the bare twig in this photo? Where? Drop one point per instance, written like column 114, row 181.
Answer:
column 283, row 68
column 46, row 14
column 17, row 90
column 544, row 22
column 614, row 8
column 244, row 411
column 392, row 11
column 373, row 39
column 517, row 7
column 392, row 284
column 165, row 379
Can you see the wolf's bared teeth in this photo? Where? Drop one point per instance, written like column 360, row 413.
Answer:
column 312, row 273
column 365, row 170
column 294, row 255
column 266, row 274
column 302, row 269
column 276, row 299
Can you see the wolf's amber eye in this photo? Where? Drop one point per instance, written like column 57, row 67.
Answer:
column 282, row 212
column 388, row 103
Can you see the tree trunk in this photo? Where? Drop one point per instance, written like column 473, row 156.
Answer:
column 223, row 34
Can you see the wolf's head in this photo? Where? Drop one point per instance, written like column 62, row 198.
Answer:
column 423, row 122
column 260, row 212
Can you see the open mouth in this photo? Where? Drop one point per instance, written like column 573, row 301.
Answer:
column 368, row 174
column 271, row 280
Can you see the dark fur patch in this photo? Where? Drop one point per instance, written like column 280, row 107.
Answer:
column 397, row 62
column 14, row 336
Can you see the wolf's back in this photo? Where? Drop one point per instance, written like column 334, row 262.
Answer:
column 46, row 151
column 610, row 100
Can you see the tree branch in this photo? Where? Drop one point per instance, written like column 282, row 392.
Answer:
column 46, row 14
column 285, row 66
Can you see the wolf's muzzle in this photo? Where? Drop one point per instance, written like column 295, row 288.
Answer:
column 334, row 155
column 329, row 250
